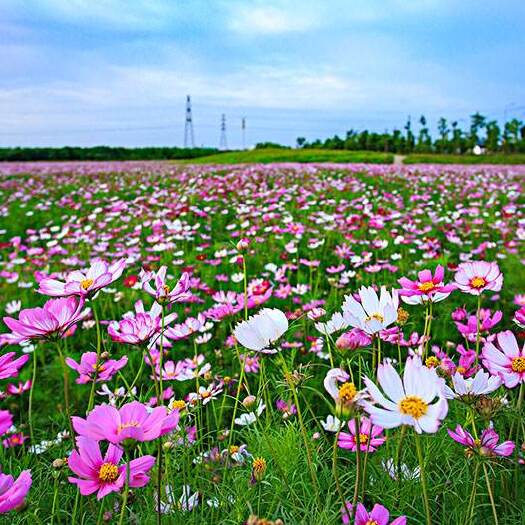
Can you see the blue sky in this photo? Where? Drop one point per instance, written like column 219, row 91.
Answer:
column 87, row 72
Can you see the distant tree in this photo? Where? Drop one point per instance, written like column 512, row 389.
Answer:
column 493, row 136
column 300, row 142
column 410, row 139
column 270, row 145
column 477, row 123
column 442, row 145
column 424, row 141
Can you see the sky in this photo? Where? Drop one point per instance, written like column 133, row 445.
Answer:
column 90, row 72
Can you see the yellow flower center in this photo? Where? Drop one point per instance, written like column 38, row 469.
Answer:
column 86, row 283
column 108, row 472
column 478, row 282
column 518, row 364
column 205, row 394
column 98, row 368
column 432, row 362
column 363, row 439
column 461, row 370
column 129, row 424
column 413, row 406
column 375, row 317
column 166, row 289
column 426, row 287
column 234, row 449
column 178, row 404
column 371, row 522
column 347, row 392
column 259, row 465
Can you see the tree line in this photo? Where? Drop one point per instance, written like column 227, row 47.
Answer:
column 102, row 153
column 482, row 132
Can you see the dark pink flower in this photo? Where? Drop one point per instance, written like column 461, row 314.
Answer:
column 379, row 515
column 89, row 368
column 426, row 288
column 10, row 367
column 370, row 436
column 487, row 445
column 13, row 492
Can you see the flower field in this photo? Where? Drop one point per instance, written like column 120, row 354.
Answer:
column 262, row 344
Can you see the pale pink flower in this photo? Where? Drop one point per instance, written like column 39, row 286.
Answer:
column 476, row 277
column 426, row 288
column 89, row 368
column 507, row 361
column 487, row 445
column 163, row 293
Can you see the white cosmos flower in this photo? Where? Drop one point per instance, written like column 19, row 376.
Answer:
column 482, row 383
column 12, row 307
column 334, row 324
column 373, row 313
column 332, row 424
column 416, row 400
column 261, row 330
column 250, row 417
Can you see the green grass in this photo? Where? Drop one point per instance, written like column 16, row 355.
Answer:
column 295, row 155
column 433, row 158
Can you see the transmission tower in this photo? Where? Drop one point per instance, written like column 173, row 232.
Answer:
column 223, row 142
column 243, row 127
column 189, row 140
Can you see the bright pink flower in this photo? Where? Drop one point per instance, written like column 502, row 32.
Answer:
column 139, row 328
column 379, row 515
column 104, row 475
column 13, row 492
column 14, row 440
column 10, row 367
column 487, row 445
column 16, row 390
column 487, row 323
column 161, row 291
column 369, row 436
column 507, row 361
column 6, row 421
column 132, row 421
column 51, row 321
column 353, row 339
column 475, row 277
column 84, row 284
column 426, row 288
column 88, row 367
column 519, row 317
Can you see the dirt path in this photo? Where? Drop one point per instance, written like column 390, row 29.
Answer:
column 398, row 160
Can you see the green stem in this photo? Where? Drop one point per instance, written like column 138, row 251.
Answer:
column 55, row 495
column 478, row 331
column 491, row 496
column 336, row 474
column 30, row 409
column 472, row 498
column 423, row 478
column 125, row 495
column 358, row 463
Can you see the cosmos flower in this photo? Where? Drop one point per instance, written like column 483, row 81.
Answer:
column 104, row 475
column 85, row 284
column 476, row 277
column 10, row 367
column 507, row 361
column 132, row 421
column 13, row 492
column 161, row 291
column 379, row 515
column 416, row 400
column 353, row 339
column 487, row 321
column 88, row 367
column 426, row 288
column 6, row 421
column 49, row 322
column 373, row 313
column 487, row 445
column 332, row 424
column 345, row 394
column 261, row 330
column 370, row 436
column 481, row 384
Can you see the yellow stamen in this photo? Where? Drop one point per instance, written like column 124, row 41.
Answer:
column 363, row 439
column 108, row 472
column 518, row 364
column 432, row 362
column 347, row 392
column 129, row 424
column 376, row 317
column 478, row 282
column 426, row 287
column 413, row 406
column 86, row 283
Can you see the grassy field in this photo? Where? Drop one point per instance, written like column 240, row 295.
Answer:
column 498, row 158
column 265, row 156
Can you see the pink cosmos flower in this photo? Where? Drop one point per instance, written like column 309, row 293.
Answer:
column 13, row 492
column 487, row 322
column 519, row 317
column 476, row 277
column 353, row 340
column 10, row 367
column 507, row 361
column 378, row 515
column 6, row 421
column 49, row 322
column 20, row 388
column 88, row 367
column 132, row 421
column 161, row 291
column 251, row 363
column 426, row 288
column 487, row 445
column 85, row 284
column 104, row 475
column 140, row 327
column 369, row 436
column 14, row 440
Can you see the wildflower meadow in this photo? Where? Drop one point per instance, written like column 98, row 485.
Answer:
column 262, row 344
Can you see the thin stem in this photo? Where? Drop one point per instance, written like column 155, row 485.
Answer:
column 478, row 331
column 336, row 474
column 358, row 463
column 125, row 495
column 472, row 498
column 423, row 478
column 491, row 496
column 66, row 386
column 30, row 409
column 245, row 283
column 55, row 495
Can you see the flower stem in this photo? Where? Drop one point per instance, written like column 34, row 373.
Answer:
column 491, row 496
column 472, row 499
column 478, row 331
column 423, row 478
column 336, row 474
column 125, row 495
column 30, row 408
column 358, row 462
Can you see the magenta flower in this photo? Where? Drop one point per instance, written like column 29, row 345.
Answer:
column 132, row 421
column 104, row 475
column 476, row 277
column 507, row 361
column 10, row 367
column 353, row 339
column 161, row 291
column 519, row 317
column 379, row 515
column 88, row 367
column 49, row 322
column 85, row 284
column 13, row 492
column 487, row 323
column 487, row 445
column 426, row 288
column 6, row 421
column 370, row 436
column 139, row 328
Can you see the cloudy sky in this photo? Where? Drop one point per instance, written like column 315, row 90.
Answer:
column 87, row 72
